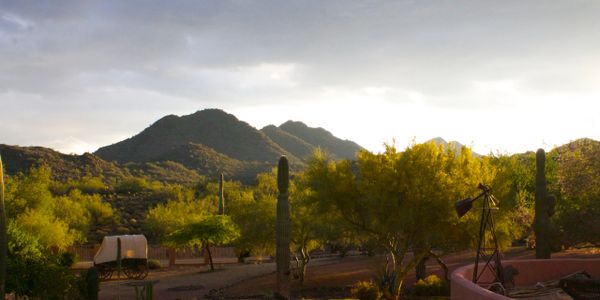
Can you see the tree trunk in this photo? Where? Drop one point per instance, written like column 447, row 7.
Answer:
column 303, row 267
column 421, row 269
column 210, row 260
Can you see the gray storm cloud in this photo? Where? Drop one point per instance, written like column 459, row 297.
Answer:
column 110, row 59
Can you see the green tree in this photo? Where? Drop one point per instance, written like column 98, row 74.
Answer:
column 403, row 200
column 254, row 212
column 212, row 230
column 164, row 219
column 578, row 182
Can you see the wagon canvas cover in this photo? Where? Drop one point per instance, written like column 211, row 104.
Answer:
column 132, row 246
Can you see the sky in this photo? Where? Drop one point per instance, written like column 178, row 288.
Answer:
column 499, row 76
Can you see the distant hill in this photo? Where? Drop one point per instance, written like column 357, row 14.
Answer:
column 182, row 149
column 20, row 159
column 212, row 141
column 454, row 144
column 66, row 166
column 319, row 137
column 213, row 128
column 293, row 144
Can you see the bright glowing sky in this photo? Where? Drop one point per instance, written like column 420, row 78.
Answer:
column 507, row 76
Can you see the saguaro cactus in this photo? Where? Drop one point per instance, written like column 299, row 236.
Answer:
column 92, row 279
column 283, row 230
column 544, row 208
column 3, row 237
column 221, row 196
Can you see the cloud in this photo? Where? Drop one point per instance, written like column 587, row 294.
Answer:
column 138, row 60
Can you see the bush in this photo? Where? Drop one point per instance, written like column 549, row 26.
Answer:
column 154, row 264
column 432, row 285
column 365, row 290
column 132, row 185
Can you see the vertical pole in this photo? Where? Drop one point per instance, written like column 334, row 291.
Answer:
column 118, row 258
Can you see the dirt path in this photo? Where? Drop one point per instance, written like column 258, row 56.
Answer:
column 191, row 282
column 335, row 278
column 330, row 277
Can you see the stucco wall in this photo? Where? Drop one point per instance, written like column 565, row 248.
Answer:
column 530, row 272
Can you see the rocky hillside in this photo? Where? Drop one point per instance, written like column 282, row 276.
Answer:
column 182, row 149
column 213, row 128
column 319, row 137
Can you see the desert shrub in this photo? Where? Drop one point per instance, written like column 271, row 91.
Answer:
column 132, row 185
column 91, row 185
column 432, row 285
column 67, row 259
column 365, row 290
column 154, row 264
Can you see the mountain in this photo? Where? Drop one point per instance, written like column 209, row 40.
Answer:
column 454, row 144
column 20, row 159
column 211, row 163
column 66, row 166
column 182, row 149
column 212, row 141
column 319, row 137
column 293, row 144
column 212, row 128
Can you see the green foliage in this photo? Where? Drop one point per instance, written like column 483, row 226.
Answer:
column 214, row 230
column 53, row 233
column 578, row 203
column 154, row 264
column 3, row 235
column 131, row 185
column 34, row 272
column 403, row 200
column 164, row 219
column 254, row 212
column 365, row 290
column 432, row 285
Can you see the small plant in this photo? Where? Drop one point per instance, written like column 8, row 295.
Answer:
column 432, row 285
column 365, row 290
column 154, row 264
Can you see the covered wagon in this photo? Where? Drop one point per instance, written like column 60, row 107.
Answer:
column 133, row 259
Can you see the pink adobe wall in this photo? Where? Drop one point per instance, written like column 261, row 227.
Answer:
column 531, row 271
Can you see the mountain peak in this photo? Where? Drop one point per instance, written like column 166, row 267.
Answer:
column 214, row 128
column 319, row 137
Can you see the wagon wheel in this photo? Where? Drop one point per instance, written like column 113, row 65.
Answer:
column 142, row 271
column 105, row 272
column 136, row 272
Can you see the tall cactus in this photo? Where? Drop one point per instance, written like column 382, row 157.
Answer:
column 92, row 279
column 3, row 237
column 283, row 230
column 221, row 196
column 544, row 208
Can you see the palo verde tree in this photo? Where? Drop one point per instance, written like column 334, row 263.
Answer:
column 211, row 231
column 403, row 200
